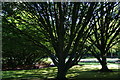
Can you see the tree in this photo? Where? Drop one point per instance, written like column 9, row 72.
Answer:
column 60, row 29
column 16, row 50
column 105, row 32
column 118, row 45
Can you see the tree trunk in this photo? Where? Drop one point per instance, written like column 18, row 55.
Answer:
column 104, row 65
column 61, row 74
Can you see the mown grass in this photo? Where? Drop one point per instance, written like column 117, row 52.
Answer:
column 90, row 71
column 94, row 63
column 76, row 72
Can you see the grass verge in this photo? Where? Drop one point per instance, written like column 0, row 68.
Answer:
column 76, row 72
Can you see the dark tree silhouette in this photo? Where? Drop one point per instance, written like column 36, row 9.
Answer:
column 106, row 29
column 59, row 29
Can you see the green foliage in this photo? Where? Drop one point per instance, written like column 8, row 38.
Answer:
column 17, row 50
column 46, row 60
column 62, row 29
column 106, row 30
column 59, row 29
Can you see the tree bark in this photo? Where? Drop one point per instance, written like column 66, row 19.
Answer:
column 104, row 65
column 61, row 75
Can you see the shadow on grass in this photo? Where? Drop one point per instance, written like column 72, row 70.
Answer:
column 29, row 74
column 93, row 74
column 75, row 73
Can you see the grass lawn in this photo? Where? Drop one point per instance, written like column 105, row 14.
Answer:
column 76, row 72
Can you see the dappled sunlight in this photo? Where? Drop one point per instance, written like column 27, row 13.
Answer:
column 113, row 66
column 90, row 71
column 76, row 72
column 72, row 75
column 91, row 74
column 90, row 67
column 86, row 67
column 38, row 73
column 44, row 40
